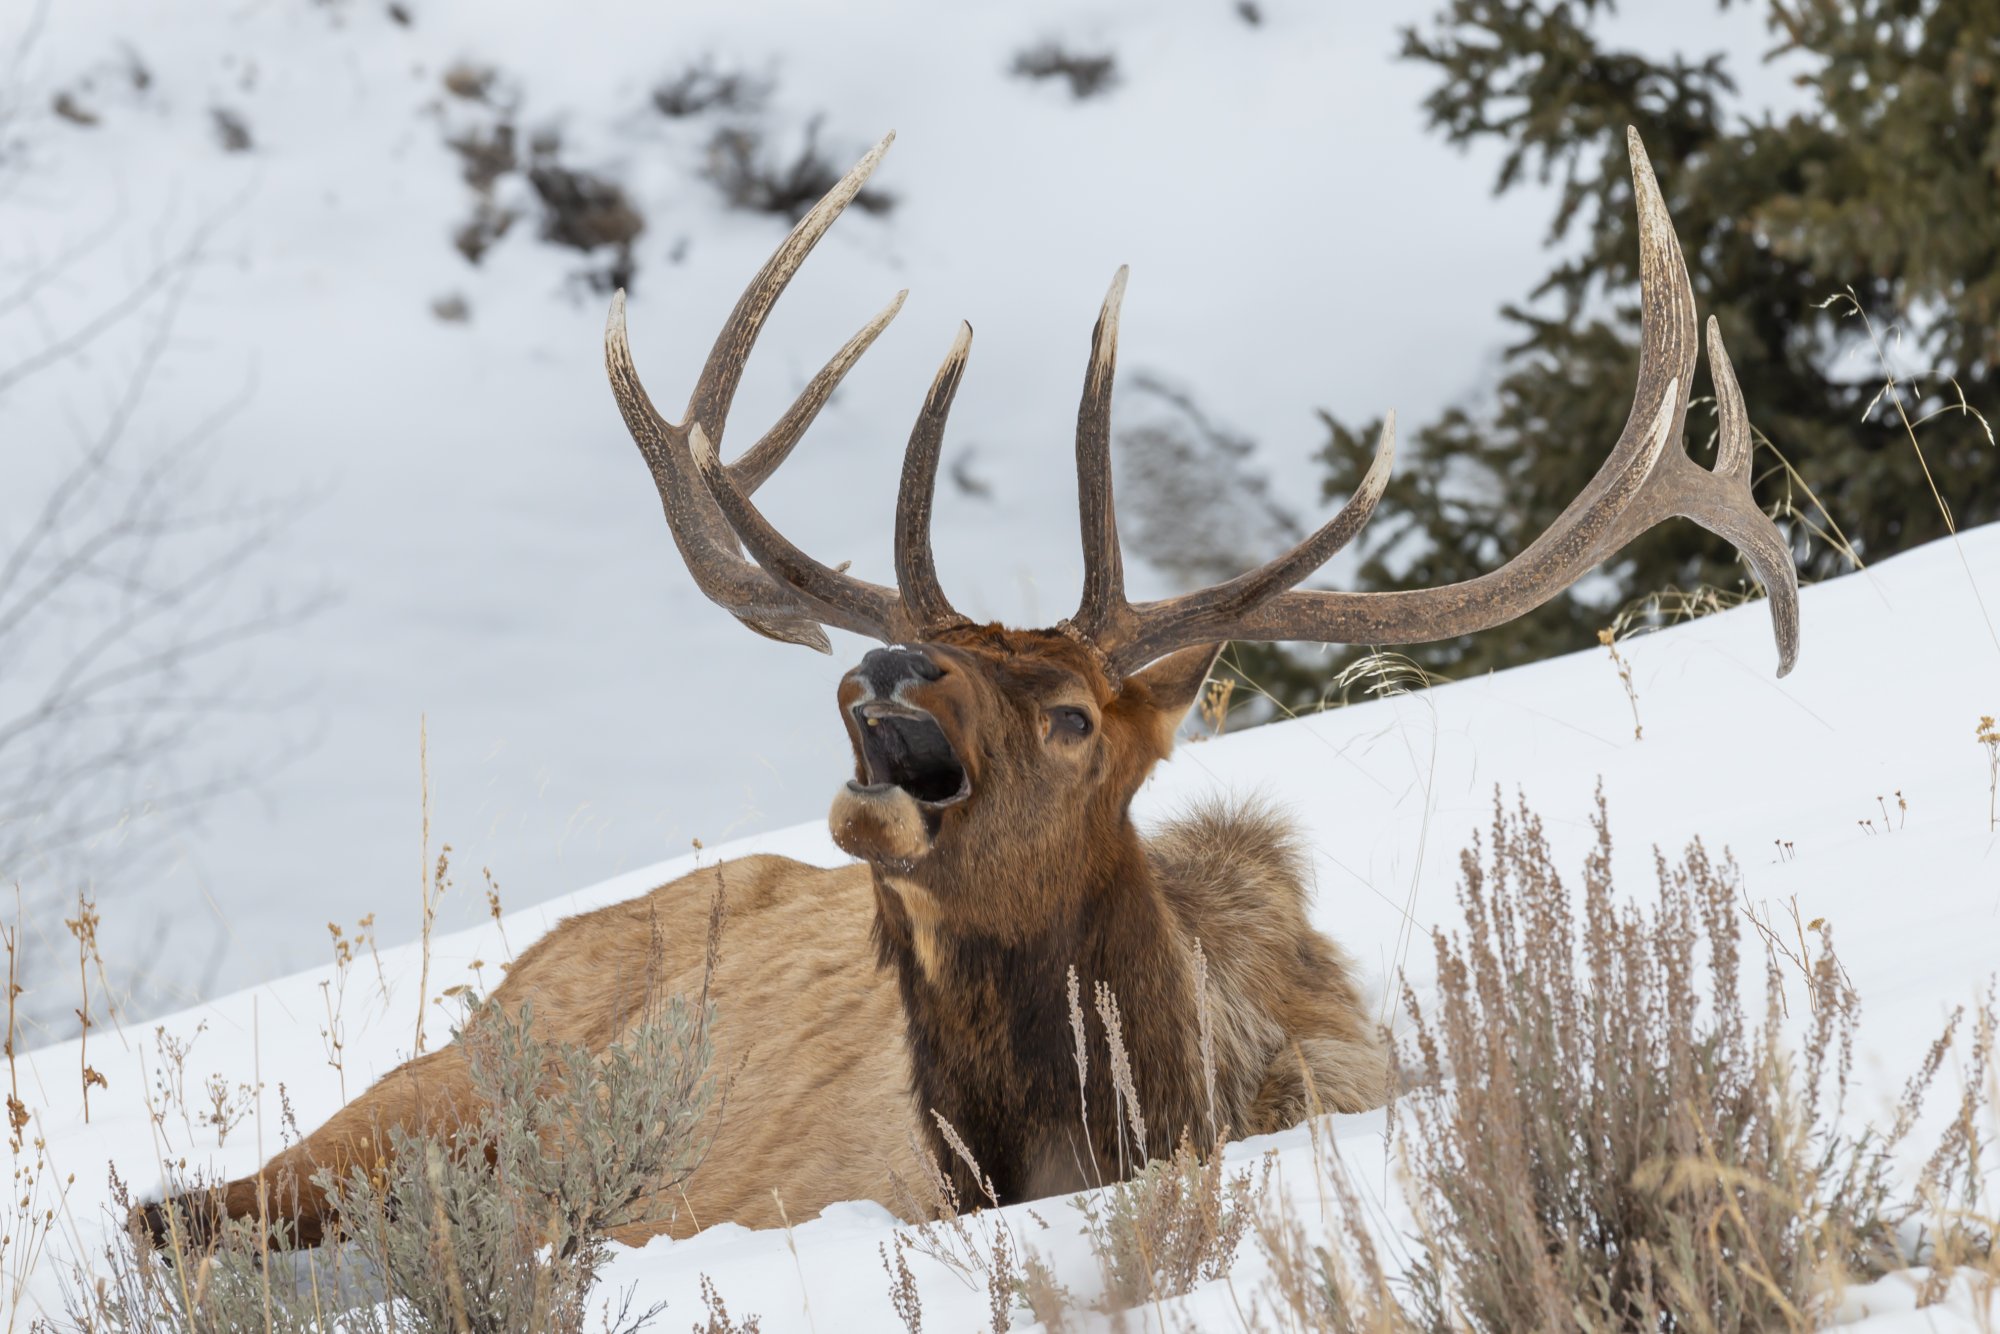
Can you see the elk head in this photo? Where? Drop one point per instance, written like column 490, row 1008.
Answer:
column 976, row 745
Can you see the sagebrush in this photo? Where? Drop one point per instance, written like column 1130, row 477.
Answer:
column 497, row 1228
column 1602, row 1137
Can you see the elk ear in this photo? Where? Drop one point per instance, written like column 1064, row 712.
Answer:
column 1175, row 681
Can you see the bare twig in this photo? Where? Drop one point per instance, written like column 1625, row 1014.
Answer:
column 427, row 885
column 119, row 616
column 17, row 1111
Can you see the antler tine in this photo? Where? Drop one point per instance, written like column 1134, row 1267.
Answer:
column 1206, row 615
column 843, row 600
column 762, row 459
column 707, row 545
column 1730, row 511
column 1640, row 483
column 916, row 569
column 1721, row 502
column 791, row 596
column 1732, row 452
column 723, row 371
column 1103, row 604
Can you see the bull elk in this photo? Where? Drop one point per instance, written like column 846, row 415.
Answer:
column 990, row 811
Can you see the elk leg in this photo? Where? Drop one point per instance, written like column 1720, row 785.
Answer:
column 431, row 1094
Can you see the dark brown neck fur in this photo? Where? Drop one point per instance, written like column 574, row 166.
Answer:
column 991, row 1046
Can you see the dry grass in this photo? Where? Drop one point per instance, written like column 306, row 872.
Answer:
column 333, row 992
column 975, row 1246
column 719, row 1321
column 17, row 1111
column 28, row 1217
column 84, row 926
column 1899, row 396
column 494, row 1226
column 1602, row 1138
column 1176, row 1224
column 28, row 1212
column 1989, row 737
column 1673, row 606
column 1656, row 611
column 1214, row 704
column 1806, row 947
column 1166, row 1224
column 430, row 883
column 1786, row 509
column 1608, row 1157
column 903, row 1295
column 1156, row 1229
column 1610, row 641
column 1336, row 1282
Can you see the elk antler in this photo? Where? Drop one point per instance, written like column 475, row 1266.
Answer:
column 1641, row 483
column 785, row 594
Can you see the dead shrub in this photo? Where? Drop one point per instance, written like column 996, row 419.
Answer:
column 498, row 1226
column 1195, row 504
column 581, row 210
column 482, row 231
column 753, row 175
column 1340, row 1285
column 1087, row 75
column 719, row 1321
column 702, row 87
column 486, row 153
column 1600, row 1137
column 585, row 211
column 1620, row 1146
column 1173, row 1225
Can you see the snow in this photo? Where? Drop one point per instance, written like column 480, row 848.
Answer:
column 1898, row 665
column 1297, row 240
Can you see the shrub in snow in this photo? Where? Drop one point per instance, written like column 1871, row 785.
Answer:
column 1087, row 75
column 1603, row 1137
column 1177, row 1223
column 751, row 175
column 499, row 1228
column 702, row 87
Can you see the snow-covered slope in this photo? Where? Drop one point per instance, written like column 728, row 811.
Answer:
column 1297, row 241
column 1899, row 662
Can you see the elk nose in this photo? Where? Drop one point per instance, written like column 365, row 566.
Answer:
column 886, row 668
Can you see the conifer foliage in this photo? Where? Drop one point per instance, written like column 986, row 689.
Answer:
column 1884, row 183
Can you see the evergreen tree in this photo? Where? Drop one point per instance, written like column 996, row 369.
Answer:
column 1886, row 184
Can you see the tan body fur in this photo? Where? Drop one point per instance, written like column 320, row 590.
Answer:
column 810, row 1032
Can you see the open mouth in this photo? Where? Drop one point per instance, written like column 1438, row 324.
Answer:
column 904, row 747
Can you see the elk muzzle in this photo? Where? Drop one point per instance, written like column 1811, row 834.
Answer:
column 907, row 771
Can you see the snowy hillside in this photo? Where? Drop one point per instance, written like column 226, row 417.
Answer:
column 1862, row 764
column 497, row 557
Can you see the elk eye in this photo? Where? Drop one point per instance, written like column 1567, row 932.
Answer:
column 1069, row 724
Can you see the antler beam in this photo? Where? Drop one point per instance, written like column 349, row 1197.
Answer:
column 1641, row 483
